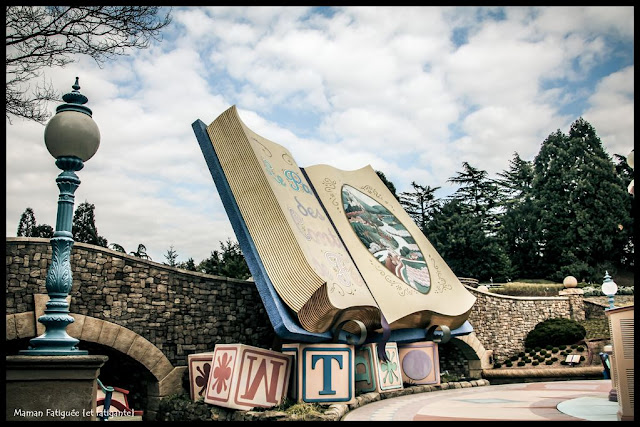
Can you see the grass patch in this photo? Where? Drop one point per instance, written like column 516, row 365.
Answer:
column 525, row 289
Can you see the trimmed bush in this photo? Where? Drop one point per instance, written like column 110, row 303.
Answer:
column 508, row 364
column 563, row 353
column 563, row 363
column 582, row 358
column 580, row 348
column 548, row 362
column 521, row 363
column 497, row 365
column 532, row 353
column 535, row 363
column 554, row 359
column 567, row 351
column 514, row 358
column 555, row 332
column 537, row 349
column 549, row 347
column 574, row 346
column 521, row 354
column 555, row 350
column 543, row 352
column 562, row 347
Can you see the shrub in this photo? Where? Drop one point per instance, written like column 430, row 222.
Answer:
column 554, row 359
column 514, row 358
column 563, row 362
column 537, row 349
column 543, row 352
column 532, row 353
column 567, row 351
column 580, row 348
column 574, row 346
column 547, row 356
column 521, row 363
column 563, row 353
column 582, row 358
column 508, row 363
column 497, row 365
column 555, row 350
column 562, row 347
column 549, row 347
column 548, row 362
column 521, row 354
column 528, row 350
column 555, row 332
column 535, row 363
column 541, row 359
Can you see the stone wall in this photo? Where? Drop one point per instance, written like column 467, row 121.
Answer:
column 178, row 311
column 502, row 322
column 183, row 312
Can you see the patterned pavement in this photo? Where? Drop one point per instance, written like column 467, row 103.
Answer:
column 541, row 401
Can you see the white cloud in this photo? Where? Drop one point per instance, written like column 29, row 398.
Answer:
column 392, row 87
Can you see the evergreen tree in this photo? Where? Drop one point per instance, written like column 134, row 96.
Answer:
column 479, row 193
column 458, row 236
column 420, row 203
column 188, row 265
column 84, row 226
column 228, row 262
column 171, row 256
column 27, row 223
column 28, row 227
column 581, row 202
column 518, row 222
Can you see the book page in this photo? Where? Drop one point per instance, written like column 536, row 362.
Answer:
column 407, row 277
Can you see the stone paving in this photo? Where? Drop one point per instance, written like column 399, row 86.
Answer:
column 539, row 401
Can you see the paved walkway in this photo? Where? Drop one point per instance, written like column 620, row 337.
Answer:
column 540, row 401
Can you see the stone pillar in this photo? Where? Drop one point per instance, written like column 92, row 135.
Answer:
column 52, row 388
column 576, row 302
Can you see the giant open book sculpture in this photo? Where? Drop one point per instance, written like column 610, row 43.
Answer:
column 326, row 247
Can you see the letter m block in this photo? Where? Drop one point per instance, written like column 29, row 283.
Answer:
column 322, row 373
column 245, row 377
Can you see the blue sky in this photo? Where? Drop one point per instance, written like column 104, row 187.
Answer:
column 414, row 92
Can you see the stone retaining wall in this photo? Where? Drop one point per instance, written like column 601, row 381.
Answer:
column 178, row 311
column 502, row 322
column 184, row 312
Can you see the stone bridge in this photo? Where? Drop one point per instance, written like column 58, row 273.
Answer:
column 148, row 317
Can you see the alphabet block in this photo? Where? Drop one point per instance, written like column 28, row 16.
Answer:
column 420, row 363
column 244, row 377
column 323, row 373
column 375, row 375
column 199, row 369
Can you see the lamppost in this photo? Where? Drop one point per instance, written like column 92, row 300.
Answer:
column 609, row 288
column 72, row 138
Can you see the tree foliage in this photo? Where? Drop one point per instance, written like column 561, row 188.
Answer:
column 84, row 226
column 228, row 262
column 388, row 184
column 420, row 203
column 38, row 37
column 28, row 226
column 583, row 206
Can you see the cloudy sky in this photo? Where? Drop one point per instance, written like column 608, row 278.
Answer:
column 414, row 92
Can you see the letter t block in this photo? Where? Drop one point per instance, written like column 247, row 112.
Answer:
column 323, row 373
column 244, row 377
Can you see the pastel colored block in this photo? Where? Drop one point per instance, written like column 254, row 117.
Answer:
column 245, row 377
column 199, row 369
column 375, row 375
column 420, row 363
column 323, row 373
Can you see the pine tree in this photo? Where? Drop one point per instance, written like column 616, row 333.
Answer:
column 228, row 262
column 27, row 223
column 84, row 226
column 420, row 203
column 518, row 222
column 581, row 202
column 388, row 183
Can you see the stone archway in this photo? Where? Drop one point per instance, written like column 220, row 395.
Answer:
column 168, row 379
column 477, row 356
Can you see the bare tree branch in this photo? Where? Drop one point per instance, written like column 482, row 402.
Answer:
column 51, row 36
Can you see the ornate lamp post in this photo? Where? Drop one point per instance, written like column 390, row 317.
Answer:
column 609, row 288
column 72, row 138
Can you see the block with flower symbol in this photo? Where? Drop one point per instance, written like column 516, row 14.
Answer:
column 373, row 374
column 199, row 369
column 419, row 362
column 245, row 377
column 322, row 373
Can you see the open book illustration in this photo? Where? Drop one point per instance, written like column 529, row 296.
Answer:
column 326, row 246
